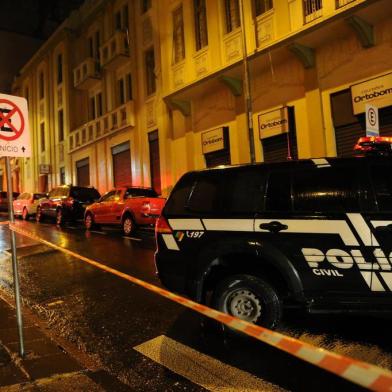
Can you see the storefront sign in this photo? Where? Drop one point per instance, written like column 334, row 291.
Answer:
column 213, row 140
column 376, row 91
column 44, row 169
column 273, row 123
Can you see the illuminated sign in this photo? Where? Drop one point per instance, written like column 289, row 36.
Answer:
column 213, row 140
column 273, row 123
column 376, row 91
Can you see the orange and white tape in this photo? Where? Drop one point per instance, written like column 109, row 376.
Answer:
column 361, row 373
column 4, row 223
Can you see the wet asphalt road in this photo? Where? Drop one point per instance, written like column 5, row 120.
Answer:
column 107, row 317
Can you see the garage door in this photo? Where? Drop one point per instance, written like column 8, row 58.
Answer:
column 83, row 172
column 122, row 172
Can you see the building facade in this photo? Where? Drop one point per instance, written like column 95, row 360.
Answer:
column 139, row 92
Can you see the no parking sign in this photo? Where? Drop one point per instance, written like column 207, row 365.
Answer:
column 14, row 127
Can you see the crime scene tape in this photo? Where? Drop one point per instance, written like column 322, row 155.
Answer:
column 361, row 373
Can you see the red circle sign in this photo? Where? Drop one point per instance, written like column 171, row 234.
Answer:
column 5, row 120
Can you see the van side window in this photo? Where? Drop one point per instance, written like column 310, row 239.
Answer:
column 331, row 189
column 382, row 184
column 178, row 199
column 204, row 197
column 279, row 192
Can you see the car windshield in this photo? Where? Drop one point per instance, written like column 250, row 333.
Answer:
column 84, row 194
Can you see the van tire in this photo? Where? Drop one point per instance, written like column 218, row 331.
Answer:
column 250, row 298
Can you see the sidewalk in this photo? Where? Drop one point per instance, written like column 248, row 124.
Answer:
column 46, row 366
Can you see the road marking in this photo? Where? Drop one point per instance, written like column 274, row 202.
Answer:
column 132, row 238
column 98, row 232
column 201, row 369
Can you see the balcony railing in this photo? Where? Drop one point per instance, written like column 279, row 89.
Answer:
column 111, row 122
column 86, row 74
column 313, row 9
column 342, row 3
column 115, row 51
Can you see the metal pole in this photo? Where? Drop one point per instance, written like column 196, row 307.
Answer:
column 14, row 259
column 247, row 93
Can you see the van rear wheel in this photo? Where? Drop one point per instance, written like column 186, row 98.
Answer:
column 249, row 298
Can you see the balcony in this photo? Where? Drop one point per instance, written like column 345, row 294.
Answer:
column 313, row 9
column 86, row 74
column 115, row 51
column 342, row 3
column 109, row 123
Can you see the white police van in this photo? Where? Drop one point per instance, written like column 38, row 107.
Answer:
column 250, row 240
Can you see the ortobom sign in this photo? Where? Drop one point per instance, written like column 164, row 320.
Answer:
column 377, row 91
column 14, row 127
column 273, row 123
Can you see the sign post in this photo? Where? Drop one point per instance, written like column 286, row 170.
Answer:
column 372, row 122
column 14, row 142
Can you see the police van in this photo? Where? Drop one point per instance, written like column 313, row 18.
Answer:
column 251, row 240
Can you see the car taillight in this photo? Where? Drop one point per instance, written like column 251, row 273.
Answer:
column 162, row 226
column 146, row 208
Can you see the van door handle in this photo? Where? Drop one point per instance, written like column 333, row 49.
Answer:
column 273, row 227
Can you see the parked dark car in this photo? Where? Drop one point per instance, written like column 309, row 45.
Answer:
column 4, row 200
column 253, row 240
column 66, row 202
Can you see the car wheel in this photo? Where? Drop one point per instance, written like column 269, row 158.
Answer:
column 89, row 222
column 38, row 215
column 249, row 298
column 128, row 225
column 59, row 217
column 25, row 214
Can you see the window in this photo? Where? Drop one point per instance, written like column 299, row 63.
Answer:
column 124, row 89
column 93, row 113
column 262, row 6
column 332, row 189
column 150, row 71
column 62, row 175
column 96, row 106
column 41, row 85
column 109, row 196
column 232, row 13
column 121, row 19
column 42, row 130
column 238, row 191
column 61, row 125
column 146, row 5
column 98, row 98
column 59, row 68
column 94, row 44
column 279, row 192
column 178, row 36
column 382, row 184
column 200, row 23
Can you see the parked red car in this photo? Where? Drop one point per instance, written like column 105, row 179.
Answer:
column 129, row 207
column 26, row 204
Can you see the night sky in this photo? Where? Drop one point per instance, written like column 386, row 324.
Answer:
column 35, row 18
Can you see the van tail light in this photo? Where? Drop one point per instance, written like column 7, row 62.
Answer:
column 162, row 226
column 146, row 208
